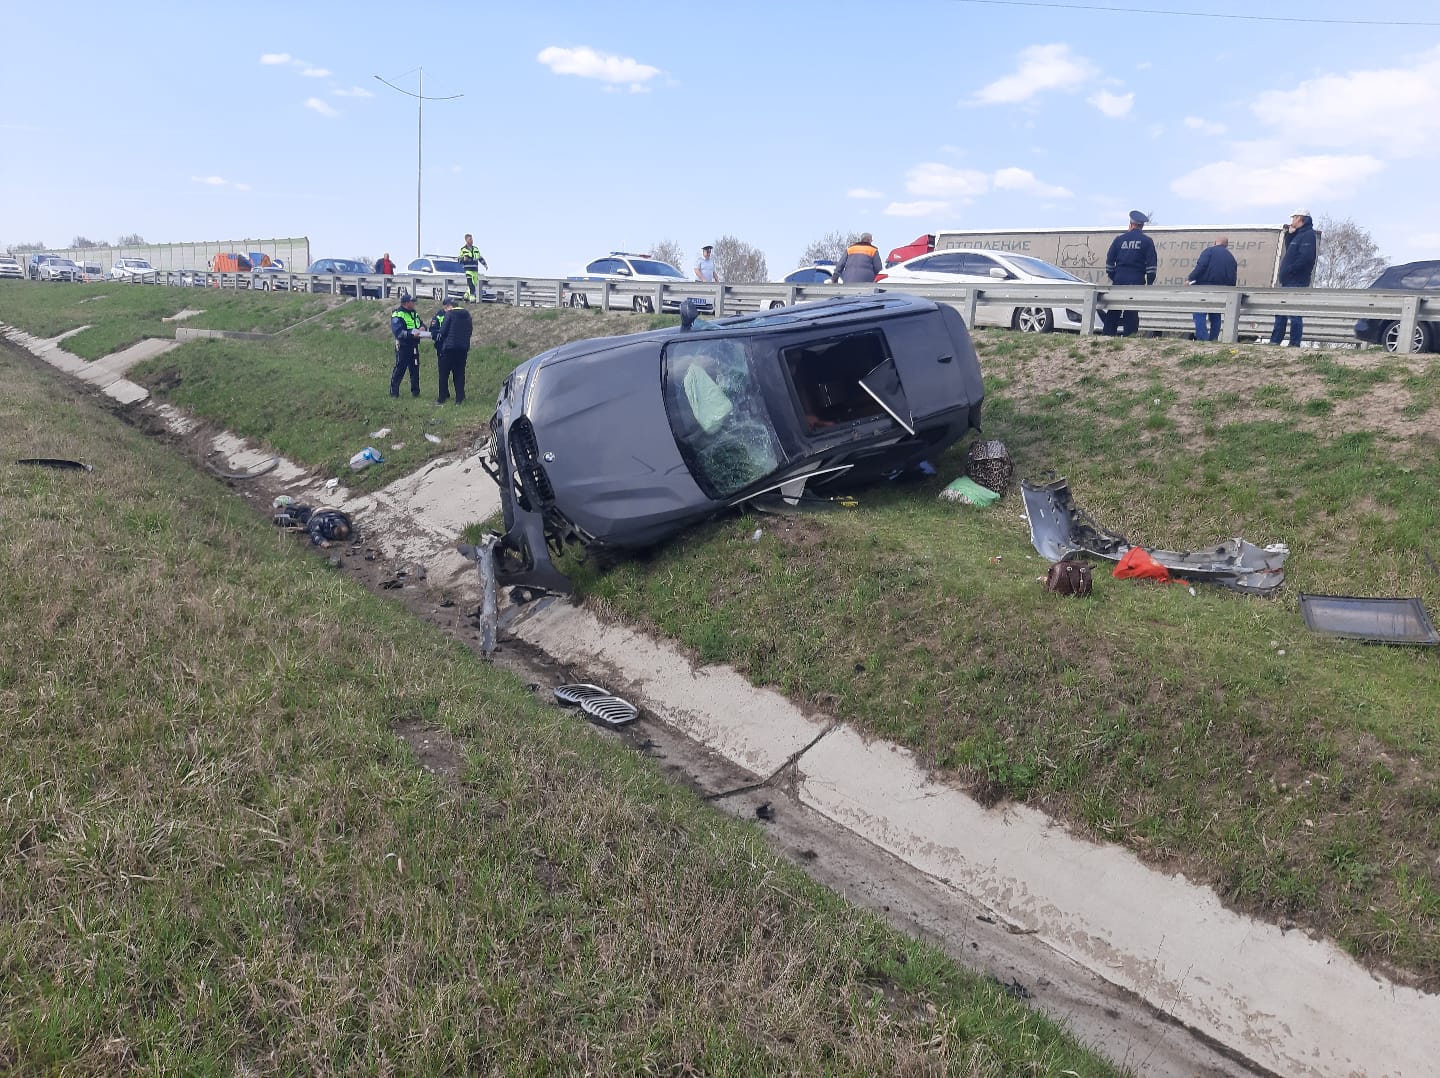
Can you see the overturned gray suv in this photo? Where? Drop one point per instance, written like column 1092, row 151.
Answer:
column 623, row 441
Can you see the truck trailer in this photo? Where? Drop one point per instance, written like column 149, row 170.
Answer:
column 1081, row 251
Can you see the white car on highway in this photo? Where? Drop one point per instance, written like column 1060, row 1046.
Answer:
column 10, row 267
column 974, row 266
column 635, row 269
column 130, row 267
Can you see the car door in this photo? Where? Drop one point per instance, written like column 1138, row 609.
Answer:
column 931, row 368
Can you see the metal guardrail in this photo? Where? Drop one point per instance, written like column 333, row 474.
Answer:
column 1330, row 314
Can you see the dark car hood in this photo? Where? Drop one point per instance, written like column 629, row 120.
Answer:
column 603, row 436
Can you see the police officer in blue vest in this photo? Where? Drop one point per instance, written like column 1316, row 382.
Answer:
column 405, row 327
column 1130, row 260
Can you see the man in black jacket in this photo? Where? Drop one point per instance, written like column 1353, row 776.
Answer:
column 1297, row 266
column 1130, row 260
column 1216, row 266
column 452, row 349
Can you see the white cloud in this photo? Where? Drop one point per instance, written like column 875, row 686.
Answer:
column 1019, row 179
column 1204, row 126
column 588, row 64
column 1277, row 180
column 915, row 209
column 863, row 192
column 323, row 107
column 942, row 181
column 1112, row 105
column 1395, row 107
column 1042, row 67
column 275, row 58
column 316, row 73
column 354, row 91
column 213, row 181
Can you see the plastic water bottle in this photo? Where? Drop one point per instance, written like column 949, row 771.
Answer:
column 366, row 457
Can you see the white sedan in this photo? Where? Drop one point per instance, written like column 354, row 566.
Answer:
column 434, row 271
column 973, row 266
column 130, row 267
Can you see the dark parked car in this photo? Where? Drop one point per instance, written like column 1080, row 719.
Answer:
column 346, row 267
column 623, row 441
column 1412, row 276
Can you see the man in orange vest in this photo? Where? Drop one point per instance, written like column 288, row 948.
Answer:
column 860, row 263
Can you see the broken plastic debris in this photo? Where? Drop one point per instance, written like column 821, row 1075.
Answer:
column 756, row 537
column 366, row 457
column 1382, row 621
column 331, row 484
column 432, row 438
column 1058, row 527
column 380, row 433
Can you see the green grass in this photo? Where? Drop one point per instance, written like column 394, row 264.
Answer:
column 220, row 858
column 120, row 314
column 1210, row 733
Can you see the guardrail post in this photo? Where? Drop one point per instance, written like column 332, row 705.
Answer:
column 1230, row 322
column 559, row 293
column 605, row 287
column 972, row 300
column 659, row 299
column 1087, row 314
column 1409, row 310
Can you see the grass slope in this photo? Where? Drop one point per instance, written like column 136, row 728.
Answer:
column 1211, row 733
column 220, row 858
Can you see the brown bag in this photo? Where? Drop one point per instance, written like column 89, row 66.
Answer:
column 1068, row 578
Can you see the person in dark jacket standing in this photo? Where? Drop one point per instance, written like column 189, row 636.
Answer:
column 860, row 263
column 452, row 346
column 1130, row 260
column 1297, row 266
column 1216, row 266
column 406, row 329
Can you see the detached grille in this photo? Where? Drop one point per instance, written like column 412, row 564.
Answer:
column 532, row 484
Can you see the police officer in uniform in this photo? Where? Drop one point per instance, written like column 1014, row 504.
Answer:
column 1130, row 260
column 472, row 260
column 405, row 328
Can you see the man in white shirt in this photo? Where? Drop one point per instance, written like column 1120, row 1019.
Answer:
column 705, row 268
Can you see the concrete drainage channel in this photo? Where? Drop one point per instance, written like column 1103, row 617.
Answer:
column 1151, row 970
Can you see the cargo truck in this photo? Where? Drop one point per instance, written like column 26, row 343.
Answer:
column 1081, row 251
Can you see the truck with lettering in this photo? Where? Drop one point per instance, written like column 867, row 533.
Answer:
column 1081, row 251
column 1257, row 249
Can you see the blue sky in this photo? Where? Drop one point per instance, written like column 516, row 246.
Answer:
column 587, row 127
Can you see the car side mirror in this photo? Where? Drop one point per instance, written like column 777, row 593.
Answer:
column 998, row 273
column 623, row 272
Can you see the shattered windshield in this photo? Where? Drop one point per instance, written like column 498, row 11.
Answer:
column 718, row 415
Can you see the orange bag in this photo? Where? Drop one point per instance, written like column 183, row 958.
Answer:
column 1138, row 563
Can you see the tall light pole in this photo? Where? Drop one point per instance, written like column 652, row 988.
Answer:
column 420, row 100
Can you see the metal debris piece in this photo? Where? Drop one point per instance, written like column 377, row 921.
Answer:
column 598, row 703
column 56, row 462
column 988, row 463
column 574, row 693
column 611, row 710
column 1058, row 528
column 1382, row 621
column 489, row 622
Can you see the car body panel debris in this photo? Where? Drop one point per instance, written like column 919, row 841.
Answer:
column 598, row 703
column 624, row 441
column 1381, row 621
column 1058, row 528
column 56, row 462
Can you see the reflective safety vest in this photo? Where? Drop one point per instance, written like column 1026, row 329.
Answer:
column 410, row 318
column 470, row 257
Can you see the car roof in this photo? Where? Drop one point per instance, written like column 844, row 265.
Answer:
column 1393, row 275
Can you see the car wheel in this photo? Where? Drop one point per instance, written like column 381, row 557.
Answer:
column 774, row 303
column 642, row 305
column 1390, row 338
column 1033, row 320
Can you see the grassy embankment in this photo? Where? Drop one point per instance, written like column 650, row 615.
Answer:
column 1211, row 733
column 221, row 858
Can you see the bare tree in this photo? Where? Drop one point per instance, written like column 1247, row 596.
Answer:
column 1348, row 256
column 736, row 262
column 27, row 248
column 131, row 239
column 81, row 242
column 829, row 247
column 667, row 250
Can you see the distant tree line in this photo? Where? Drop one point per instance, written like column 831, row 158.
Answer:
column 130, row 239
